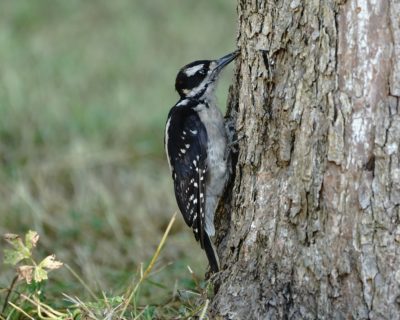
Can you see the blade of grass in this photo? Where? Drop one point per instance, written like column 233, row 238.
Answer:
column 105, row 299
column 157, row 284
column 81, row 281
column 143, row 311
column 40, row 305
column 82, row 305
column 194, row 278
column 161, row 268
column 11, row 313
column 196, row 310
column 153, row 260
column 204, row 311
column 20, row 310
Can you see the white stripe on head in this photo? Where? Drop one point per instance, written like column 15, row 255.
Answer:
column 192, row 70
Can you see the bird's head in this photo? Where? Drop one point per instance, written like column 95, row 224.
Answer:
column 198, row 79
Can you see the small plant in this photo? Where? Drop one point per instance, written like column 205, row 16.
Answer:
column 27, row 269
column 26, row 300
column 21, row 251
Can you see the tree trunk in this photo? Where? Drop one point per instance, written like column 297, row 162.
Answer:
column 309, row 228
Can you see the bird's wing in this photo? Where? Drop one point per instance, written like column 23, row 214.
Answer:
column 188, row 143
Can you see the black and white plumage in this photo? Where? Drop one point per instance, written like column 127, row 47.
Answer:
column 196, row 147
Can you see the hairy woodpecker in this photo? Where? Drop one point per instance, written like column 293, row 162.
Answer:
column 196, row 147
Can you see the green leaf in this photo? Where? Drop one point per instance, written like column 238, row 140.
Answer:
column 12, row 256
column 40, row 274
column 19, row 247
column 31, row 239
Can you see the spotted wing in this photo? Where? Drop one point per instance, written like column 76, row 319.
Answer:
column 187, row 152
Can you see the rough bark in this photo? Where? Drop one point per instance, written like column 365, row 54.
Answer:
column 310, row 227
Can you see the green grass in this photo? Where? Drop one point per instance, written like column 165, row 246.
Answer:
column 85, row 87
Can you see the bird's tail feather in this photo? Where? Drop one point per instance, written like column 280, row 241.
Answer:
column 211, row 254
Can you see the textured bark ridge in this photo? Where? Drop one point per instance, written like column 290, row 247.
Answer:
column 310, row 227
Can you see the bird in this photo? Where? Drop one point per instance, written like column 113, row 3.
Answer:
column 196, row 145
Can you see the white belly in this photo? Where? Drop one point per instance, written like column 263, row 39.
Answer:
column 217, row 167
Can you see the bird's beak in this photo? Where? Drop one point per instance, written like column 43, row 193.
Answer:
column 222, row 62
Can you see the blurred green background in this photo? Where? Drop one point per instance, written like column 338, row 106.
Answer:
column 85, row 88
